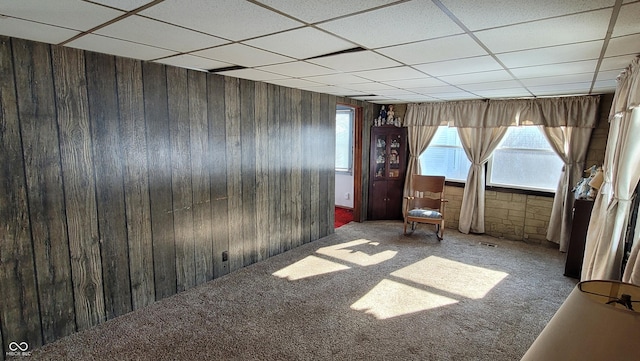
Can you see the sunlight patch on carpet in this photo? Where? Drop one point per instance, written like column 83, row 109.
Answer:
column 360, row 251
column 392, row 299
column 453, row 277
column 308, row 267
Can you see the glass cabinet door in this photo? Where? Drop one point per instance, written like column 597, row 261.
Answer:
column 381, row 156
column 394, row 155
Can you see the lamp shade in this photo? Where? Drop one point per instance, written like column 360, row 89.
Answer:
column 592, row 324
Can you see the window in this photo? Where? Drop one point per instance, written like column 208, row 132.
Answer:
column 344, row 138
column 525, row 160
column 445, row 156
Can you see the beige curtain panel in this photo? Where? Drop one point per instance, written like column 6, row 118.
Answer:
column 604, row 246
column 419, row 139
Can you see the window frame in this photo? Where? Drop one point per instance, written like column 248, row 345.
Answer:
column 352, row 115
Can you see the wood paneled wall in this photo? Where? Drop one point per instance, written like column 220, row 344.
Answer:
column 123, row 182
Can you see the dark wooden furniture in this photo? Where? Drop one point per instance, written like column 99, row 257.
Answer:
column 581, row 214
column 387, row 172
column 425, row 203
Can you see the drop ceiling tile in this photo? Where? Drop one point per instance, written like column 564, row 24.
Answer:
column 292, row 83
column 503, row 93
column 224, row 18
column 437, row 89
column 460, row 66
column 103, row 44
column 337, row 79
column 608, row 75
column 393, row 92
column 242, row 55
column 73, row 14
column 416, row 83
column 378, row 99
column 472, row 78
column 624, row 45
column 368, row 87
column 555, row 69
column 454, row 96
column 34, row 31
column 551, row 55
column 561, row 79
column 126, row 5
column 397, row 73
column 401, row 23
column 319, row 10
column 297, row 69
column 493, row 13
column 301, row 43
column 617, row 62
column 557, row 31
column 449, row 48
column 627, row 22
column 562, row 89
column 154, row 33
column 252, row 74
column 604, row 87
column 416, row 98
column 330, row 89
column 506, row 84
column 360, row 60
column 193, row 62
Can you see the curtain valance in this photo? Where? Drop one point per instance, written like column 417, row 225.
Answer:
column 579, row 111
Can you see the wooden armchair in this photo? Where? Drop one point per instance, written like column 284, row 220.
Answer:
column 425, row 203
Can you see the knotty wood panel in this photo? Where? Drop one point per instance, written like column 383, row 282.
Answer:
column 159, row 160
column 103, row 115
column 117, row 163
column 248, row 169
column 296, row 152
column 330, row 163
column 218, row 172
column 79, row 185
column 275, row 140
column 234, row 172
column 135, row 179
column 200, row 180
column 19, row 308
column 262, row 157
column 179, row 131
column 307, row 164
column 42, row 167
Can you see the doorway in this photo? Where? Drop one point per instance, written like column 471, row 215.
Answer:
column 348, row 165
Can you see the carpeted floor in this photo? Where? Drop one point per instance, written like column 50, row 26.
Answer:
column 342, row 217
column 364, row 293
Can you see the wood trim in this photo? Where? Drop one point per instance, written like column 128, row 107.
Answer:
column 357, row 165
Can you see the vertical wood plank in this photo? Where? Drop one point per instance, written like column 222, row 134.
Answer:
column 248, row 168
column 179, row 131
column 36, row 105
column 159, row 160
column 234, row 172
column 262, row 158
column 79, row 185
column 325, row 199
column 19, row 308
column 296, row 152
column 199, row 139
column 286, row 212
column 133, row 143
column 315, row 153
column 218, row 172
column 330, row 164
column 306, row 152
column 275, row 140
column 103, row 115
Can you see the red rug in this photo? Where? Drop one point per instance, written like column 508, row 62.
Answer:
column 343, row 216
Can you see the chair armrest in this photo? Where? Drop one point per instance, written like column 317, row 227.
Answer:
column 409, row 197
column 444, row 200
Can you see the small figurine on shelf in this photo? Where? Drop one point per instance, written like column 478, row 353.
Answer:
column 383, row 114
column 397, row 122
column 390, row 114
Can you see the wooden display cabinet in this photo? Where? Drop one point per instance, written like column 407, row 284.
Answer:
column 387, row 172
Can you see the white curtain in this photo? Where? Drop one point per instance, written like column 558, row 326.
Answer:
column 570, row 143
column 478, row 144
column 419, row 138
column 604, row 246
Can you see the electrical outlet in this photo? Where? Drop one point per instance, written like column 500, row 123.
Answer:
column 347, row 195
column 225, row 256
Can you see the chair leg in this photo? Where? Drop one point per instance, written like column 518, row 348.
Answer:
column 405, row 227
